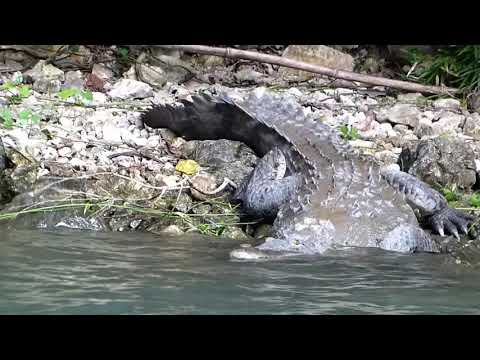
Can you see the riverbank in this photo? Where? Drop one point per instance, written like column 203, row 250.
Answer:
column 81, row 159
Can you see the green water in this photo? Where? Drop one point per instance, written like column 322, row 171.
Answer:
column 131, row 273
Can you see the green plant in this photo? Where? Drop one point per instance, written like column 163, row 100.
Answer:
column 451, row 194
column 6, row 118
column 348, row 132
column 457, row 66
column 17, row 91
column 24, row 117
column 77, row 94
column 475, row 200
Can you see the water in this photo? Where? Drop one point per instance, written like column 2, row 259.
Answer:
column 131, row 273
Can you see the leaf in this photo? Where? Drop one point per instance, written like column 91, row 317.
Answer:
column 35, row 119
column 189, row 167
column 6, row 116
column 475, row 200
column 24, row 91
column 68, row 93
column 87, row 95
column 8, row 85
column 24, row 115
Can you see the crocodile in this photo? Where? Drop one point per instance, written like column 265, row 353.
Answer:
column 319, row 191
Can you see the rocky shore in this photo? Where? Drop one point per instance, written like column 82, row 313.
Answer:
column 78, row 156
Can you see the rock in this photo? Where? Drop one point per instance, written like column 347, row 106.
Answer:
column 386, row 157
column 65, row 152
column 153, row 141
column 363, row 144
column 440, row 162
column 424, row 128
column 49, row 153
column 102, row 72
column 402, row 129
column 78, row 164
column 223, row 158
column 473, row 101
column 45, row 77
column 127, row 88
column 170, row 180
column 317, row 55
column 182, row 203
column 453, row 104
column 411, row 98
column 99, row 98
column 111, row 132
column 263, row 231
column 448, row 122
column 235, row 233
column 404, row 114
column 153, row 75
column 73, row 79
column 140, row 141
column 172, row 229
column 471, row 126
column 202, row 209
column 204, row 183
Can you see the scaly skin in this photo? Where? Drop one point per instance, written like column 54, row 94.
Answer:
column 322, row 194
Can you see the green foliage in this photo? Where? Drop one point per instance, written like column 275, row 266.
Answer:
column 77, row 94
column 17, row 90
column 451, row 194
column 6, row 118
column 211, row 229
column 475, row 200
column 457, row 66
column 348, row 132
column 24, row 117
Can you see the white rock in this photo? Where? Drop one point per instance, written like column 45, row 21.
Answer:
column 140, row 141
column 111, row 132
column 347, row 100
column 477, row 165
column 127, row 88
column 294, row 92
column 66, row 123
column 363, row 144
column 102, row 72
column 410, row 97
column 62, row 160
column 449, row 122
column 446, row 103
column 170, row 180
column 78, row 146
column 386, row 156
column 153, row 141
column 404, row 114
column 77, row 163
column 49, row 153
column 65, row 152
column 99, row 98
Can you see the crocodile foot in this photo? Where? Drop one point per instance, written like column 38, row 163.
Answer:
column 450, row 220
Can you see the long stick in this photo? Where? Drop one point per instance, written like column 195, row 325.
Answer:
column 317, row 69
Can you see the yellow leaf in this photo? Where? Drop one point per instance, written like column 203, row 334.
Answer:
column 189, row 167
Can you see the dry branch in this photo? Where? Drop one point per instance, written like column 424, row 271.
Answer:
column 317, row 69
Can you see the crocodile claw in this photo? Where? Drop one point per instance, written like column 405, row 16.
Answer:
column 452, row 221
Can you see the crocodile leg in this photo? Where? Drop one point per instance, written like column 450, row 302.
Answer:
column 433, row 207
column 268, row 187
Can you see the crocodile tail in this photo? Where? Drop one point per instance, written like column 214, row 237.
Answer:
column 208, row 118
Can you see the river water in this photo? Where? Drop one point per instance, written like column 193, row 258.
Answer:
column 133, row 273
